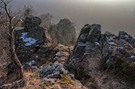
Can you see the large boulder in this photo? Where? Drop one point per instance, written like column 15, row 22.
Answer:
column 88, row 45
column 30, row 43
column 63, row 33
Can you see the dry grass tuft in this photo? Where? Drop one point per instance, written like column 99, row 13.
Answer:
column 32, row 81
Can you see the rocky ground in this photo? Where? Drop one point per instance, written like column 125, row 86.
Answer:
column 51, row 75
column 96, row 61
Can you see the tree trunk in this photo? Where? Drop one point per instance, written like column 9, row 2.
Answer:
column 14, row 57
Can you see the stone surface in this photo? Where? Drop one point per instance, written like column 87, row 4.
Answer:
column 128, row 38
column 61, row 54
column 52, row 71
column 88, row 43
column 63, row 32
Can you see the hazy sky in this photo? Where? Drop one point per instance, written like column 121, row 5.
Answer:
column 113, row 15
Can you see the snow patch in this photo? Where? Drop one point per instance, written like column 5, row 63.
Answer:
column 27, row 40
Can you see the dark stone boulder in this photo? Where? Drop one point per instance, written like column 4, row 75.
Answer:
column 31, row 42
column 88, row 45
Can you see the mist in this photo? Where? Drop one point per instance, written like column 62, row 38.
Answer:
column 113, row 16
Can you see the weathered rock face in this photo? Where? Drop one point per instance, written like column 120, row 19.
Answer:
column 63, row 33
column 30, row 42
column 119, row 53
column 88, row 44
column 94, row 51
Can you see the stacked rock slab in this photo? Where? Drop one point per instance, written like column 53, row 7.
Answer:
column 30, row 42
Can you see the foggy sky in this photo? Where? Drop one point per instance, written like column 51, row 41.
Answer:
column 114, row 16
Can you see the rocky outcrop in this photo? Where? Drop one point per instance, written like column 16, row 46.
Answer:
column 99, row 61
column 119, row 54
column 95, row 51
column 87, row 44
column 63, row 33
column 31, row 42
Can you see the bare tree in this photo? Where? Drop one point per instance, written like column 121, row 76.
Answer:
column 4, row 5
